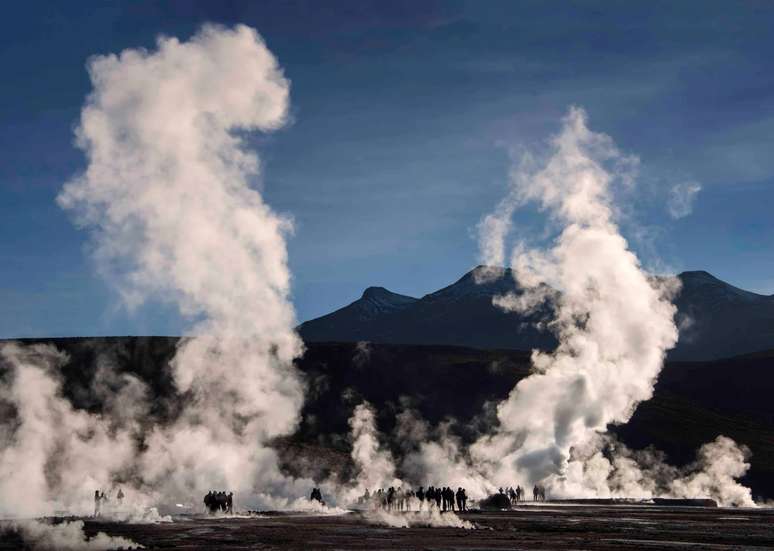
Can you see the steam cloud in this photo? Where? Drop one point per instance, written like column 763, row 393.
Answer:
column 614, row 324
column 167, row 196
column 65, row 536
column 613, row 321
column 375, row 468
column 167, row 193
column 374, row 465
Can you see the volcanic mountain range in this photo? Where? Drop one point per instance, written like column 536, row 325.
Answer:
column 716, row 319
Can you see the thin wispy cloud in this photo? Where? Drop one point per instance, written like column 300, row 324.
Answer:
column 681, row 199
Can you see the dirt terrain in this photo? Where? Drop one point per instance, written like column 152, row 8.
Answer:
column 546, row 526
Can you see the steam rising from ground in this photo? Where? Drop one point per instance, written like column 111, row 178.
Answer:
column 375, row 468
column 432, row 518
column 374, row 465
column 167, row 196
column 167, row 193
column 614, row 324
column 64, row 536
column 613, row 321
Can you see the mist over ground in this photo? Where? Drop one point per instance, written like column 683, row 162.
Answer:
column 693, row 402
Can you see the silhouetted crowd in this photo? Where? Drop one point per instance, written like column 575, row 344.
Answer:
column 100, row 500
column 400, row 499
column 317, row 496
column 517, row 494
column 219, row 502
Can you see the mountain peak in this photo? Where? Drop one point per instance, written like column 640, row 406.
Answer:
column 376, row 293
column 714, row 289
column 483, row 271
column 385, row 298
column 482, row 280
column 699, row 275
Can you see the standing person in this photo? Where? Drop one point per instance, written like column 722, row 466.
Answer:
column 535, row 493
column 459, row 499
column 97, row 503
column 230, row 503
column 421, row 497
column 438, row 498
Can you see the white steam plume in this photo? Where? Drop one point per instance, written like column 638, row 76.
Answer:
column 613, row 321
column 714, row 474
column 166, row 192
column 433, row 518
column 375, row 469
column 65, row 536
column 374, row 465
column 52, row 455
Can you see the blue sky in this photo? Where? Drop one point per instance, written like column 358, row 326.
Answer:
column 404, row 114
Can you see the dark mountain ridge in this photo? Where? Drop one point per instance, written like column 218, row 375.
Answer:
column 716, row 319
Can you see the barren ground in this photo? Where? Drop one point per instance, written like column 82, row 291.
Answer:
column 532, row 527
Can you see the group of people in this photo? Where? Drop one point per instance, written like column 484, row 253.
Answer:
column 317, row 496
column 406, row 499
column 101, row 498
column 514, row 494
column 219, row 502
column 517, row 494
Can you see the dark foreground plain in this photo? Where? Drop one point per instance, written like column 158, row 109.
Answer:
column 546, row 526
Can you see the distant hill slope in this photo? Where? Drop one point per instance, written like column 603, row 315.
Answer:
column 717, row 320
